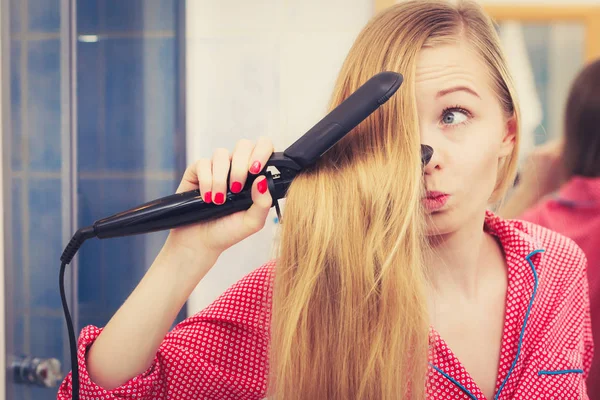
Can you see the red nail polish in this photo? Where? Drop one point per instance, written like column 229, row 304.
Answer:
column 219, row 198
column 256, row 167
column 207, row 197
column 236, row 187
column 262, row 186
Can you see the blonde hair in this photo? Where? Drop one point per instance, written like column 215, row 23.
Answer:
column 349, row 317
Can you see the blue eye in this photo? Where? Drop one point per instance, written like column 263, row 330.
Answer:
column 455, row 116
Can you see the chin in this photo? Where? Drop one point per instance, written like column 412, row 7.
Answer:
column 441, row 222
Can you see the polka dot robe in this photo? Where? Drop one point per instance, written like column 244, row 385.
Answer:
column 546, row 351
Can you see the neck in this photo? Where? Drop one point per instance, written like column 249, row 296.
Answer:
column 457, row 260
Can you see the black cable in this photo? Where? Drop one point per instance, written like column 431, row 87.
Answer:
column 72, row 341
column 74, row 244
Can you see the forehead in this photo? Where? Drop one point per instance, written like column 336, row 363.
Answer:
column 453, row 63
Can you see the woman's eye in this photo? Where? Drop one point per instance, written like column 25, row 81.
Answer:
column 454, row 117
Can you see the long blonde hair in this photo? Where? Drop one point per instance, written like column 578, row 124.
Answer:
column 349, row 317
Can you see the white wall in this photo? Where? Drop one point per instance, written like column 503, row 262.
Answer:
column 260, row 68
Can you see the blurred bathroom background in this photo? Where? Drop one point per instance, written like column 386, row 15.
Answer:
column 105, row 102
column 94, row 102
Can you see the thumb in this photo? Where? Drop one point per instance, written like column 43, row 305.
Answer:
column 256, row 215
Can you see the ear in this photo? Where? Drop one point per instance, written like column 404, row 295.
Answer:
column 510, row 137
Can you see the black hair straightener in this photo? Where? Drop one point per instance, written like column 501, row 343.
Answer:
column 189, row 208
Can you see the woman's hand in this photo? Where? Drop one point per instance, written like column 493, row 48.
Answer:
column 540, row 176
column 541, row 172
column 210, row 176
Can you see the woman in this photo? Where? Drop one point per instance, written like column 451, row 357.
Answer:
column 359, row 305
column 574, row 210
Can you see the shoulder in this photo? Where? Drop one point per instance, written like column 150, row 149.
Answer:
column 558, row 254
column 563, row 261
column 247, row 302
column 560, row 249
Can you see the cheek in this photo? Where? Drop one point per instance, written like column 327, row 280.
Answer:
column 478, row 162
column 479, row 176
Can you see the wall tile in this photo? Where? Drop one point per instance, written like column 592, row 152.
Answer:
column 124, row 262
column 155, row 188
column 16, row 105
column 18, row 350
column 44, row 16
column 140, row 15
column 124, row 103
column 97, row 319
column 19, row 335
column 160, row 83
column 38, row 393
column 15, row 15
column 125, row 266
column 46, row 336
column 91, row 272
column 16, row 262
column 88, row 15
column 19, row 392
column 91, row 275
column 91, row 200
column 121, row 194
column 90, row 91
column 45, row 236
column 43, row 105
column 139, row 110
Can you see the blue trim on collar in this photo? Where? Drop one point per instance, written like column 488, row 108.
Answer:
column 535, row 286
column 561, row 372
column 451, row 379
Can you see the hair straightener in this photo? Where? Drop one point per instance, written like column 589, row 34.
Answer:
column 188, row 208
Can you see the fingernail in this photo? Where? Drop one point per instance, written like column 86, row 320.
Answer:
column 207, row 197
column 236, row 187
column 262, row 186
column 256, row 167
column 219, row 198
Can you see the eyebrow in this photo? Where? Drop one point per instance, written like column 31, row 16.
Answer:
column 444, row 92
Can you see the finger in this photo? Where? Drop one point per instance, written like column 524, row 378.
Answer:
column 260, row 155
column 220, row 170
column 239, row 165
column 189, row 181
column 204, row 173
column 256, row 215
